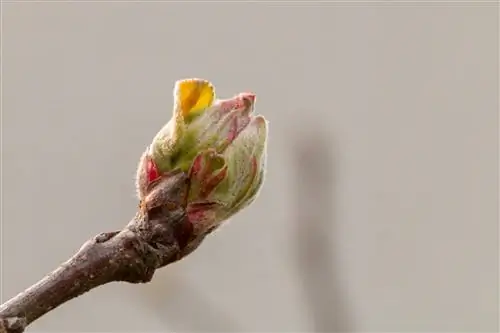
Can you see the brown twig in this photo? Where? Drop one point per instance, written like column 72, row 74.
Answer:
column 154, row 238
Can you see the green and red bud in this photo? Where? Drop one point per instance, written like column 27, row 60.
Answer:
column 220, row 144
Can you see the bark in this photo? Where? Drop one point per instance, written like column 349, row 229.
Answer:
column 158, row 235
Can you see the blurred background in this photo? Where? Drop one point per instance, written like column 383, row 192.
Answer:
column 380, row 208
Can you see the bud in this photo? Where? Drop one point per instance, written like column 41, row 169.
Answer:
column 219, row 143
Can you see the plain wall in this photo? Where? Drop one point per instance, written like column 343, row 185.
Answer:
column 380, row 208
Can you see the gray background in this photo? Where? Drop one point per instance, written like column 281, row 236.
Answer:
column 379, row 212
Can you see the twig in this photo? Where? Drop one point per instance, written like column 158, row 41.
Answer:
column 155, row 238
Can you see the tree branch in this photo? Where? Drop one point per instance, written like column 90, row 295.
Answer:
column 155, row 238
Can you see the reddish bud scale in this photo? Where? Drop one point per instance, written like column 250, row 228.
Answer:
column 243, row 122
column 202, row 212
column 200, row 167
column 248, row 95
column 210, row 184
column 196, row 215
column 196, row 166
column 255, row 167
column 196, row 212
column 231, row 104
column 152, row 170
column 233, row 130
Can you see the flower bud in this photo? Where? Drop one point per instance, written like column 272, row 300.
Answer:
column 219, row 143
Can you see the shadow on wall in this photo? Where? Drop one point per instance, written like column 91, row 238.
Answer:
column 314, row 222
column 315, row 232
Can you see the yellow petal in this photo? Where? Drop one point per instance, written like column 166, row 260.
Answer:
column 192, row 95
